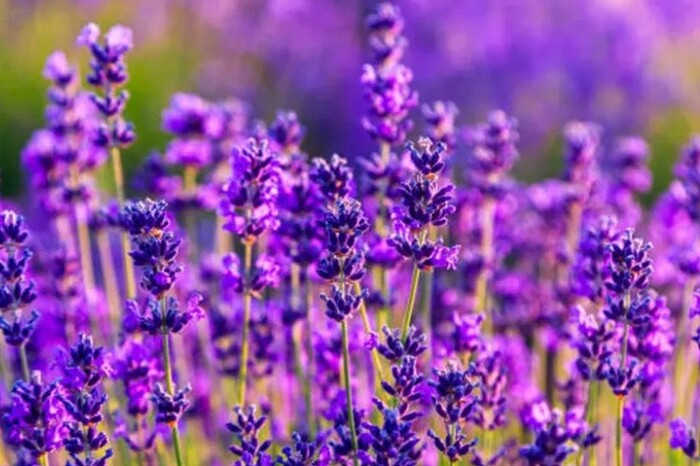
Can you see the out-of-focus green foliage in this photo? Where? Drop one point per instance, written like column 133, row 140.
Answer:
column 158, row 68
column 176, row 50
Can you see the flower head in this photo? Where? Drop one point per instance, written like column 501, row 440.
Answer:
column 250, row 195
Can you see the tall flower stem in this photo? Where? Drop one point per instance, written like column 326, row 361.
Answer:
column 129, row 279
column 408, row 313
column 247, row 298
column 348, row 391
column 110, row 280
column 683, row 376
column 488, row 212
column 380, row 228
column 376, row 363
column 171, row 390
column 621, row 398
column 24, row 361
column 304, row 380
column 189, row 181
column 589, row 415
column 427, row 296
column 308, row 393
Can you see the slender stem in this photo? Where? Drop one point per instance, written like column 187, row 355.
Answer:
column 23, row 361
column 303, row 379
column 84, row 248
column 488, row 211
column 589, row 415
column 408, row 313
column 129, row 277
column 243, row 366
column 348, row 391
column 380, row 227
column 376, row 363
column 189, row 177
column 110, row 280
column 308, row 391
column 682, row 375
column 621, row 398
column 169, row 386
column 175, row 434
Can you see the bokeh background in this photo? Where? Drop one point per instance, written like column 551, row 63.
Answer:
column 631, row 65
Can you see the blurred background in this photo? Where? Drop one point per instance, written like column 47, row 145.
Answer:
column 631, row 65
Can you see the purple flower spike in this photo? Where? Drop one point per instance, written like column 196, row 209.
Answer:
column 440, row 117
column 683, row 438
column 245, row 428
column 170, row 408
column 334, row 178
column 108, row 72
column 16, row 290
column 493, row 151
column 34, row 419
column 250, row 195
column 84, row 368
column 287, row 132
column 154, row 249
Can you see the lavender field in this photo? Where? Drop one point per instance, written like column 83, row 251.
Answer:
column 509, row 277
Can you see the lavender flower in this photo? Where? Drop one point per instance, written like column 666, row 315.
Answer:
column 251, row 192
column 493, row 152
column 683, row 438
column 387, row 83
column 34, row 421
column 424, row 205
column 334, row 178
column 287, row 132
column 249, row 449
column 454, row 401
column 551, row 442
column 440, row 117
column 84, row 369
column 154, row 249
column 16, row 290
column 108, row 71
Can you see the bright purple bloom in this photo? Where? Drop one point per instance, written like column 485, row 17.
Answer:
column 334, row 178
column 83, row 397
column 34, row 419
column 287, row 132
column 108, row 72
column 493, row 152
column 169, row 408
column 245, row 427
column 683, row 438
column 250, row 195
column 154, row 248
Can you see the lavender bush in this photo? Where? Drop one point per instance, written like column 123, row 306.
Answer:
column 252, row 304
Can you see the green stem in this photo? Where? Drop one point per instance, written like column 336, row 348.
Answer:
column 487, row 226
column 189, row 183
column 24, row 362
column 169, row 386
column 348, row 392
column 309, row 362
column 621, row 399
column 110, row 282
column 589, row 415
column 243, row 366
column 129, row 278
column 376, row 362
column 408, row 313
